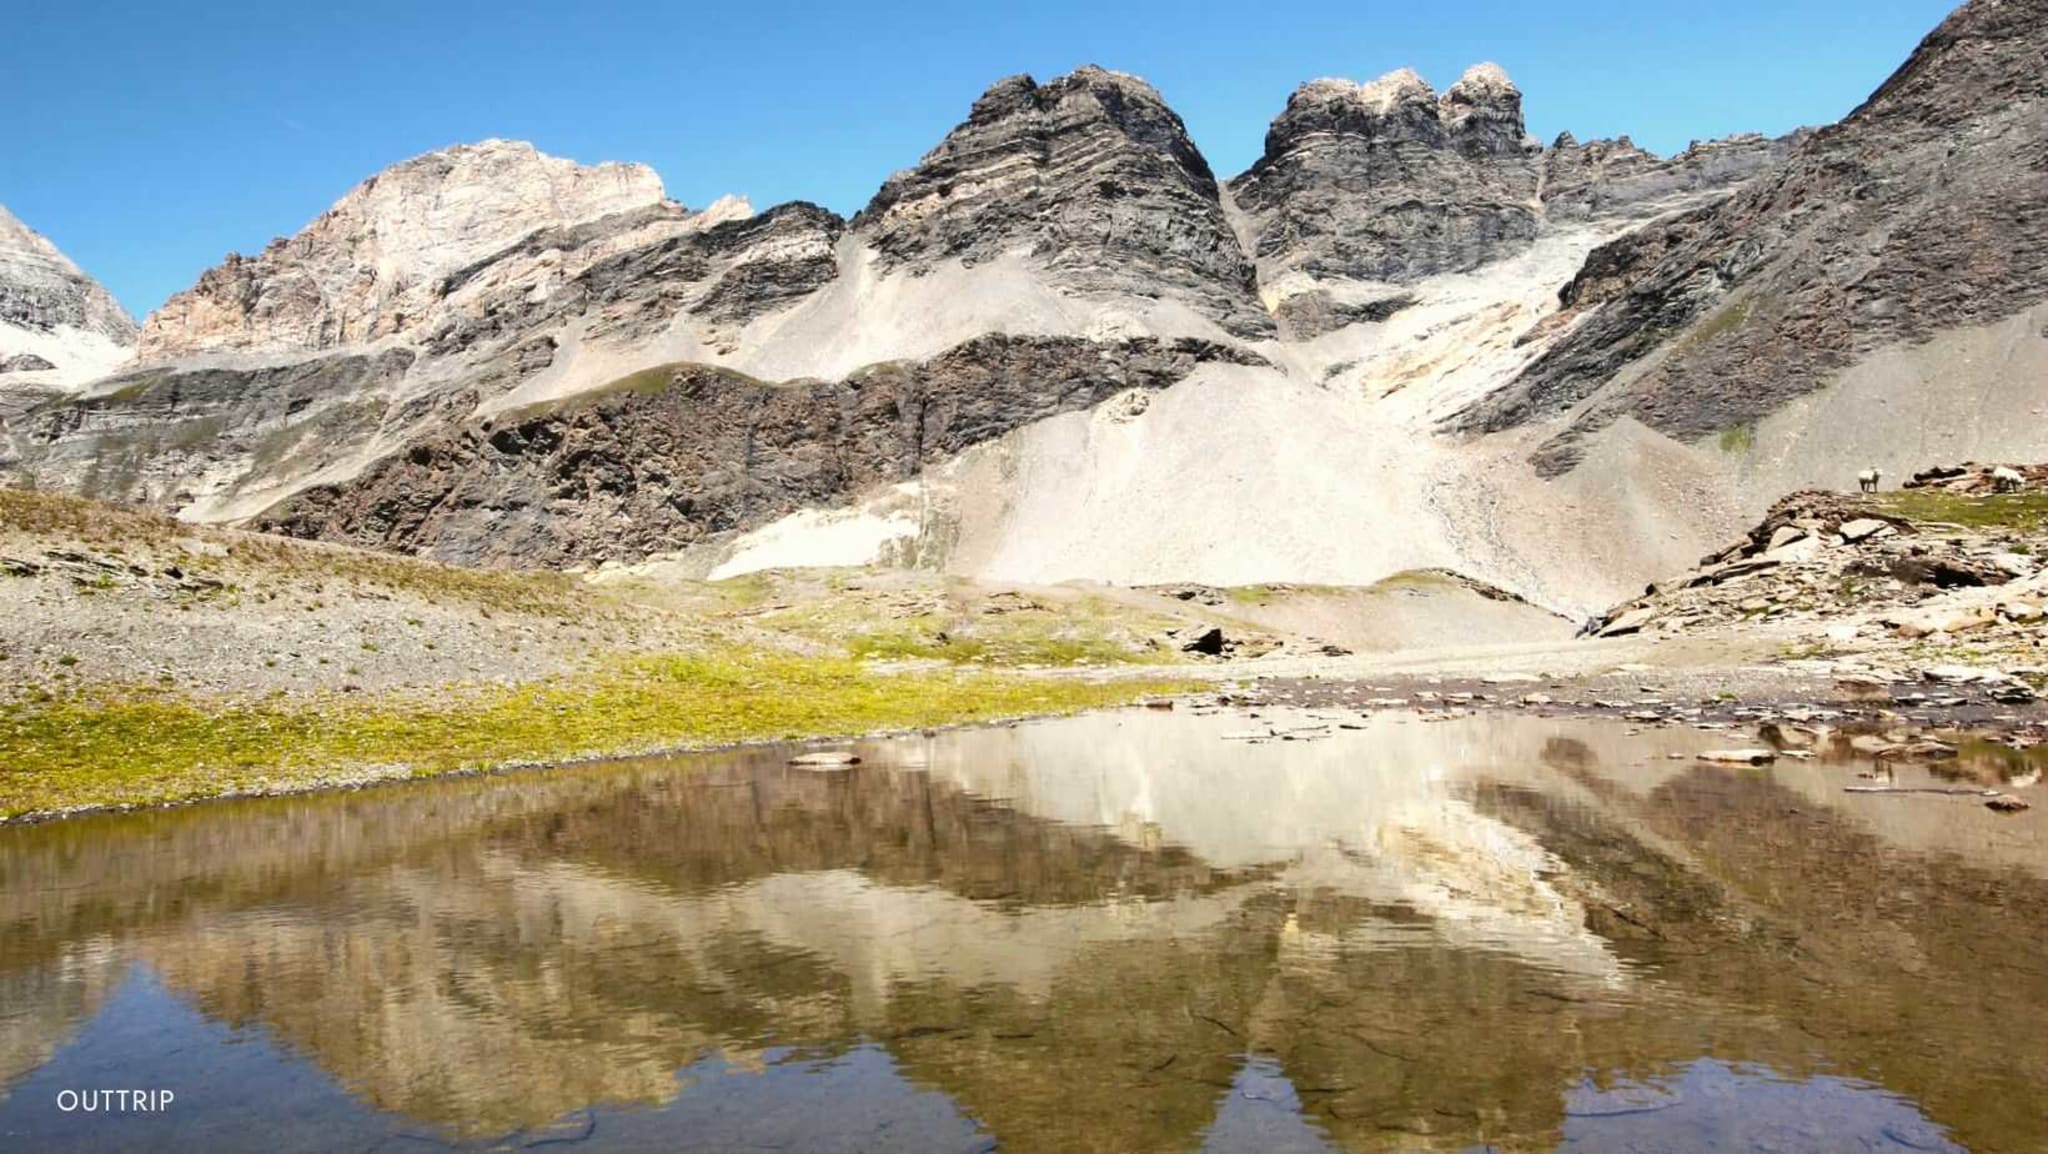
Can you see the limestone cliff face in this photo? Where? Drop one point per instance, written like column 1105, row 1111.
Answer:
column 1389, row 181
column 1093, row 178
column 58, row 326
column 372, row 265
column 1925, row 210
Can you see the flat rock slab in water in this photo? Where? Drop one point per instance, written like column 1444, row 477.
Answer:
column 1740, row 756
column 825, row 760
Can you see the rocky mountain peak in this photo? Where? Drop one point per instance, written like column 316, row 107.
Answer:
column 374, row 259
column 58, row 326
column 1399, row 105
column 1122, row 97
column 1986, row 52
column 725, row 208
column 41, row 289
column 1919, row 214
column 1019, row 108
column 1485, row 82
column 1091, row 176
column 1482, row 113
column 1390, row 181
column 1399, row 88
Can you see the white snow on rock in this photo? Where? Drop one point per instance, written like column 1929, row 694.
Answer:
column 50, row 311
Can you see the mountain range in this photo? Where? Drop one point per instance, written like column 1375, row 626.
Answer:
column 1061, row 347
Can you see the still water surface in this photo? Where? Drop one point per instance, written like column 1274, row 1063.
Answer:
column 1118, row 933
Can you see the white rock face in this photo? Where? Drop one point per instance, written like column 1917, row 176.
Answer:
column 58, row 327
column 373, row 265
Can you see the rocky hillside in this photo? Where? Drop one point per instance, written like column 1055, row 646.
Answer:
column 1922, row 212
column 1603, row 178
column 1953, row 567
column 1091, row 175
column 292, row 387
column 379, row 262
column 1390, row 182
column 1364, row 356
column 671, row 456
column 58, row 326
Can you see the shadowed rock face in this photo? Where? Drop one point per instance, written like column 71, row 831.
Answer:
column 1925, row 210
column 673, row 455
column 1389, row 181
column 1091, row 175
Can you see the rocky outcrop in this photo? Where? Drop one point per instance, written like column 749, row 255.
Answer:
column 24, row 363
column 375, row 263
column 1388, row 181
column 58, row 326
column 722, row 274
column 1092, row 177
column 1925, row 210
column 1973, row 479
column 170, row 436
column 1612, row 268
column 1883, row 571
column 424, row 294
column 674, row 455
column 1306, row 315
column 40, row 289
column 1605, row 178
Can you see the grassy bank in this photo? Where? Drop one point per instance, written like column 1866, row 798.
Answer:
column 2017, row 512
column 105, row 747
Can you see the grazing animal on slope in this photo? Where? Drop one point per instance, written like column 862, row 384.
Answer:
column 2006, row 480
column 1869, row 479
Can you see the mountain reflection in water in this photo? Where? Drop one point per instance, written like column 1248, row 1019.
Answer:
column 1119, row 932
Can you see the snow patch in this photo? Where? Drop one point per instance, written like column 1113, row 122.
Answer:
column 823, row 538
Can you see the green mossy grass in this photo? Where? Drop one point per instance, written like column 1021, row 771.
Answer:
column 2019, row 512
column 101, row 747
column 120, row 530
column 1084, row 630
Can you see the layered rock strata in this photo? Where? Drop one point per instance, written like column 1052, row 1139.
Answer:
column 1091, row 176
column 1925, row 210
column 671, row 456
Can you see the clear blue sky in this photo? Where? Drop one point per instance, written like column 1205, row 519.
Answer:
column 148, row 138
